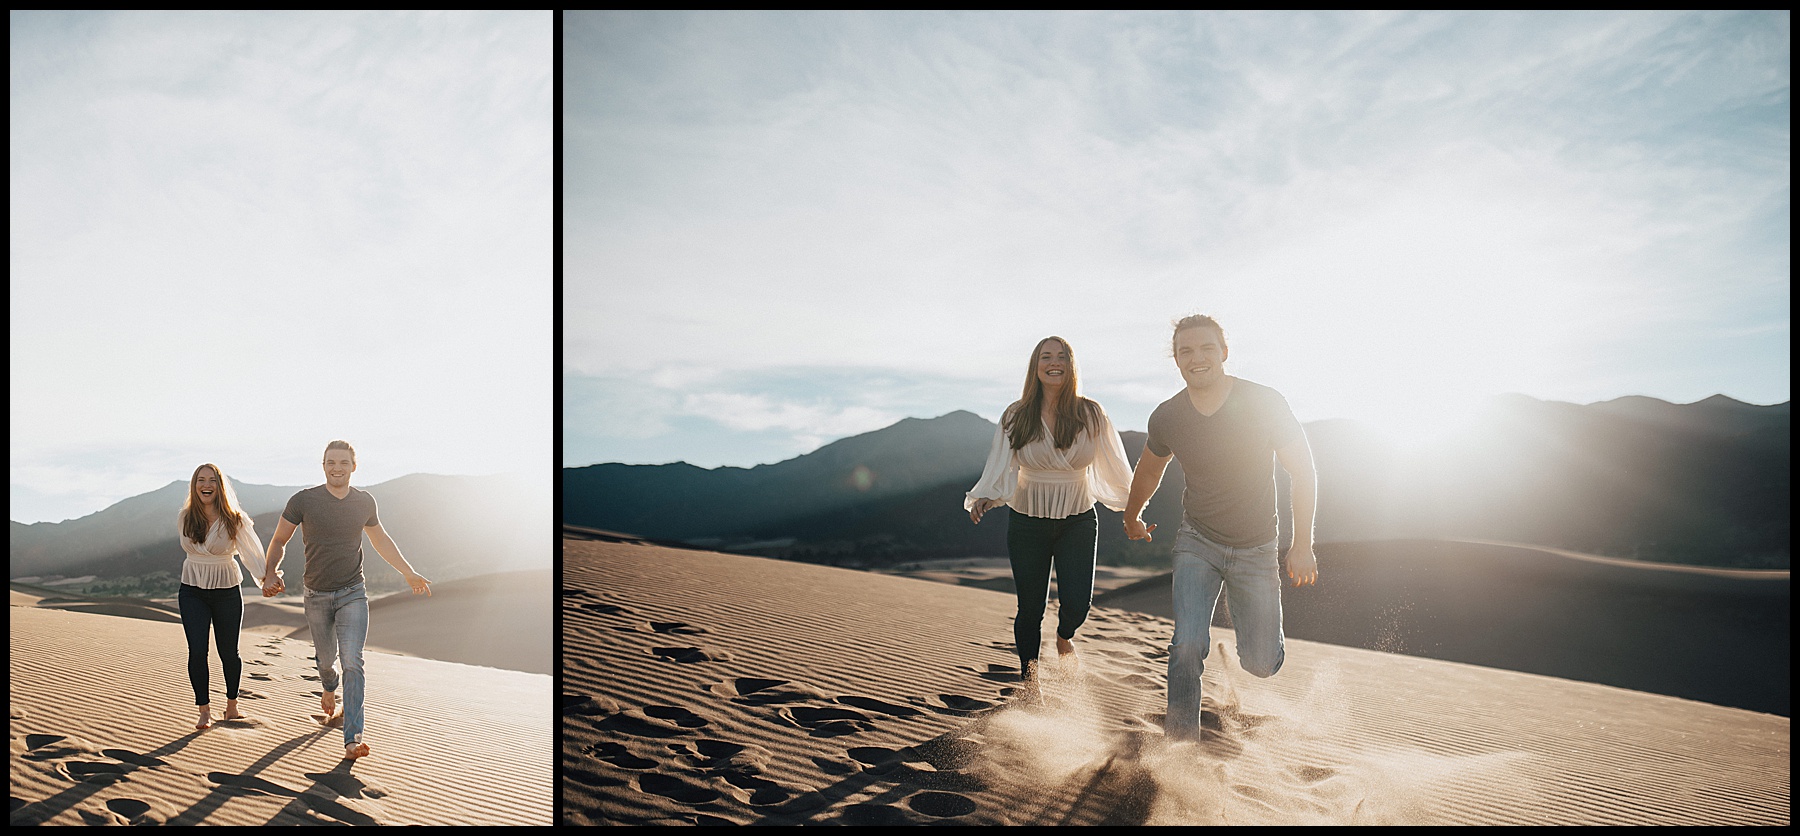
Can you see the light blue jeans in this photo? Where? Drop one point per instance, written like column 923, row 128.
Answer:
column 1251, row 578
column 340, row 627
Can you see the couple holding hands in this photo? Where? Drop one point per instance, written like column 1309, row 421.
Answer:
column 335, row 517
column 1056, row 453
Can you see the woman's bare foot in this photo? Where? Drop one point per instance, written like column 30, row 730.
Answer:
column 1065, row 654
column 356, row 750
column 328, row 702
column 231, row 711
column 205, row 721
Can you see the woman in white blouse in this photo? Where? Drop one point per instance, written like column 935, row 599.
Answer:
column 213, row 531
column 1055, row 454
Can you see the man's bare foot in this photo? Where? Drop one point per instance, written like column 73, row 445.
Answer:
column 205, row 721
column 356, row 750
column 231, row 711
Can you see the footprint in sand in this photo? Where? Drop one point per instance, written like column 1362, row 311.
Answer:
column 762, row 791
column 753, row 691
column 677, row 788
column 89, row 772
column 878, row 815
column 580, row 704
column 262, row 677
column 942, row 805
column 688, row 655
column 825, row 722
column 131, row 811
column 655, row 721
column 618, row 756
column 957, row 705
column 837, row 766
column 604, row 609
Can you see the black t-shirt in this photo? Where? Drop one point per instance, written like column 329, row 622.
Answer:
column 1228, row 459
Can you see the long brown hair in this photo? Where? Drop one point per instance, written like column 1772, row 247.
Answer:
column 1074, row 413
column 193, row 520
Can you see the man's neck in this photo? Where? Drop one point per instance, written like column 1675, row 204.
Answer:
column 340, row 493
column 1209, row 399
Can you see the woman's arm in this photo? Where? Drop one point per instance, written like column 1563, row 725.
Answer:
column 999, row 477
column 1110, row 471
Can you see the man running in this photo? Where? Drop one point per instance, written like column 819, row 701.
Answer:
column 1225, row 430
column 335, row 517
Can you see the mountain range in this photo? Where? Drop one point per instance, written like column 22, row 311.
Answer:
column 448, row 527
column 1706, row 483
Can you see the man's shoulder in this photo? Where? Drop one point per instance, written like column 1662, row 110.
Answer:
column 1170, row 403
column 1257, row 391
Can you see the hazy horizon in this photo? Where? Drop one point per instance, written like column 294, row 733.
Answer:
column 785, row 227
column 994, row 418
column 237, row 236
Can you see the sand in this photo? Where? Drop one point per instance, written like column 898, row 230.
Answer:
column 703, row 688
column 101, row 732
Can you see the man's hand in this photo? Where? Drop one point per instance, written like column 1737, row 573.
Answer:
column 1135, row 529
column 274, row 586
column 419, row 584
column 982, row 506
column 1303, row 566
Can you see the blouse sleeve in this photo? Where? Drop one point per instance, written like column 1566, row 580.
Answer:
column 1000, row 477
column 1110, row 473
column 250, row 549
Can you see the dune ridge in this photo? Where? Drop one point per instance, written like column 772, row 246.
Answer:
column 101, row 733
column 704, row 688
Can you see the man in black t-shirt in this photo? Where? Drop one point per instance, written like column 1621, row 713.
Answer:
column 1228, row 433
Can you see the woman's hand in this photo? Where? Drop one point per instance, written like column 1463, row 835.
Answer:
column 982, row 506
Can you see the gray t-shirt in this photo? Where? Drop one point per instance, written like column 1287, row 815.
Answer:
column 332, row 529
column 1228, row 459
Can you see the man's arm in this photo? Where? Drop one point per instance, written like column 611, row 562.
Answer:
column 271, row 579
column 1297, row 459
column 384, row 546
column 1144, row 482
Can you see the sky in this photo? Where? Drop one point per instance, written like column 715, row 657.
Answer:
column 238, row 236
column 781, row 229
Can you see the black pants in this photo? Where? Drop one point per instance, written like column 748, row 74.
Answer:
column 1034, row 545
column 221, row 611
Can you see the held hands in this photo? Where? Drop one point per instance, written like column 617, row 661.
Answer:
column 273, row 586
column 982, row 506
column 419, row 584
column 1135, row 529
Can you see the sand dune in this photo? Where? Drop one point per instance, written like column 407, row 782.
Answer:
column 101, row 733
column 702, row 688
column 500, row 620
column 1714, row 635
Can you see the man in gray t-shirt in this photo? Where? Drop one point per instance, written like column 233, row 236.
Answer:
column 1228, row 433
column 335, row 517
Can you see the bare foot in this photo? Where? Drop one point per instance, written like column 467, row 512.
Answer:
column 231, row 712
column 205, row 721
column 1065, row 654
column 328, row 702
column 356, row 750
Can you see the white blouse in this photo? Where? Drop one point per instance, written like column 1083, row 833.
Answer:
column 1038, row 480
column 209, row 564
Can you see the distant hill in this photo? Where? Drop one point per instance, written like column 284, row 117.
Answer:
column 448, row 527
column 681, row 501
column 1706, row 483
